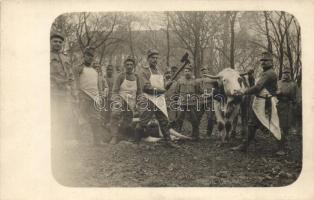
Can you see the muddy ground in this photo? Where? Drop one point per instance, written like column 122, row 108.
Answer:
column 194, row 164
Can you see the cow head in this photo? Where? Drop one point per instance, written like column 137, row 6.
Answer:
column 230, row 80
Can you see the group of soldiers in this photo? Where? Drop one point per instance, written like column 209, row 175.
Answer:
column 109, row 102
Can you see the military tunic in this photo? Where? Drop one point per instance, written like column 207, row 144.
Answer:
column 62, row 83
column 267, row 80
column 170, row 95
column 207, row 87
column 107, row 111
column 188, row 91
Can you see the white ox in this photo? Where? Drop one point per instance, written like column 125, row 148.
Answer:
column 227, row 103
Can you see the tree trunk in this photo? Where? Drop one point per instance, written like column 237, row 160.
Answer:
column 131, row 40
column 168, row 41
column 225, row 39
column 232, row 22
column 269, row 45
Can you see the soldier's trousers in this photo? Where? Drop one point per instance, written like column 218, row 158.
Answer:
column 63, row 121
column 147, row 110
column 209, row 118
column 253, row 125
column 191, row 111
column 121, row 119
column 91, row 115
column 284, row 109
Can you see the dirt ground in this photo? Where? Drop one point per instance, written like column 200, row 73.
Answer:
column 194, row 164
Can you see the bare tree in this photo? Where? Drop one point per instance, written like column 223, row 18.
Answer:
column 232, row 50
column 190, row 28
column 94, row 29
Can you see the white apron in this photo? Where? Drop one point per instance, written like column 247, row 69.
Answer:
column 128, row 92
column 89, row 83
column 259, row 109
column 157, row 81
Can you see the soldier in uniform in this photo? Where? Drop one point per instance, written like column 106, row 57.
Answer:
column 187, row 90
column 172, row 113
column 207, row 87
column 268, row 81
column 286, row 95
column 173, row 69
column 109, row 78
column 124, row 94
column 62, row 90
column 91, row 92
column 153, row 102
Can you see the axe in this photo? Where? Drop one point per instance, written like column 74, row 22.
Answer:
column 185, row 60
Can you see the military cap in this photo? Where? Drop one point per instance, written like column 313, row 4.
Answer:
column 204, row 68
column 129, row 58
column 266, row 56
column 174, row 67
column 89, row 50
column 188, row 67
column 167, row 72
column 151, row 52
column 56, row 34
column 286, row 70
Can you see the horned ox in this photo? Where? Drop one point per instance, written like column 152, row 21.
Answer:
column 227, row 104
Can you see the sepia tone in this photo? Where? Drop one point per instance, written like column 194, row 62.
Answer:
column 214, row 41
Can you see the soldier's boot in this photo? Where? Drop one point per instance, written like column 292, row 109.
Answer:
column 115, row 133
column 97, row 134
column 166, row 134
column 209, row 127
column 246, row 142
column 195, row 133
column 281, row 146
column 138, row 133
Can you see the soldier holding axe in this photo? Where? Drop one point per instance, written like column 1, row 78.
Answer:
column 153, row 102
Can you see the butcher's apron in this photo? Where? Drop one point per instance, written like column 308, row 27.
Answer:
column 258, row 106
column 128, row 92
column 157, row 81
column 89, row 83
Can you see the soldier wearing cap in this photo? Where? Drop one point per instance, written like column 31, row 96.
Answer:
column 126, row 89
column 267, row 81
column 286, row 95
column 153, row 102
column 92, row 91
column 109, row 79
column 207, row 87
column 187, row 90
column 172, row 114
column 167, row 75
column 173, row 70
column 62, row 89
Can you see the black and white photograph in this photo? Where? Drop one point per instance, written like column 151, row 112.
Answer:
column 176, row 99
column 157, row 100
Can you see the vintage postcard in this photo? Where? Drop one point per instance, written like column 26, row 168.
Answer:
column 158, row 100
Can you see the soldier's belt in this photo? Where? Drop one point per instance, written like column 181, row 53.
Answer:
column 264, row 97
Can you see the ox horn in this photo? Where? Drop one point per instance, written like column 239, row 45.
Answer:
column 211, row 76
column 175, row 133
column 243, row 73
column 151, row 139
